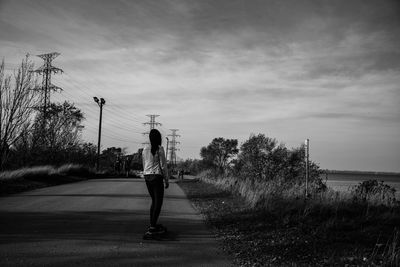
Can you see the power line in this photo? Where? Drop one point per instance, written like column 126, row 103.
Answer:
column 114, row 120
column 121, row 113
column 117, row 109
column 116, row 114
column 124, row 129
column 121, row 116
column 107, row 133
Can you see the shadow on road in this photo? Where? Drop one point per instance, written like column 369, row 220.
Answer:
column 105, row 226
column 146, row 196
column 105, row 238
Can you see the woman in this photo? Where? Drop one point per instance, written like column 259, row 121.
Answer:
column 155, row 171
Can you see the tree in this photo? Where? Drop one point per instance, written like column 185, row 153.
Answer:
column 63, row 126
column 17, row 99
column 219, row 152
column 193, row 166
column 61, row 136
column 137, row 163
column 62, row 142
column 255, row 159
column 110, row 156
column 86, row 154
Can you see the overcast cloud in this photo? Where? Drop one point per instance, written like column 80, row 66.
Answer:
column 323, row 70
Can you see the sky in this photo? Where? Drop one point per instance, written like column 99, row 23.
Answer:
column 324, row 70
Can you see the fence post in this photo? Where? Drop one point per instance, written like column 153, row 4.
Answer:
column 307, row 154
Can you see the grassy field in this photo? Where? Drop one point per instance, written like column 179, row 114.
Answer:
column 41, row 176
column 295, row 232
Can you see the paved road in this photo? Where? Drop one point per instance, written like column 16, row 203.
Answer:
column 101, row 223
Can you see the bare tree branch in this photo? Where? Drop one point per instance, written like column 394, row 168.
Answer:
column 16, row 101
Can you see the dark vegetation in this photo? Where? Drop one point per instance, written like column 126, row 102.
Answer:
column 297, row 232
column 257, row 205
column 31, row 135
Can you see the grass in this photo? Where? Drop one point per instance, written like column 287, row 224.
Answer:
column 288, row 231
column 41, row 176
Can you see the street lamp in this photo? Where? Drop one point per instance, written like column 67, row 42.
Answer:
column 100, row 103
column 166, row 152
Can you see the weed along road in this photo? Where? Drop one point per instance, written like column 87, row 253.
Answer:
column 101, row 223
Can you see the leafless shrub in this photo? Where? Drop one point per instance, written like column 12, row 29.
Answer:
column 17, row 100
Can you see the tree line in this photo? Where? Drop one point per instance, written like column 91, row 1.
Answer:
column 258, row 159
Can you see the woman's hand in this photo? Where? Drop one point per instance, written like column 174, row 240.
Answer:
column 166, row 184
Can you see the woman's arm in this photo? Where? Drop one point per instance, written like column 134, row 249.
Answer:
column 143, row 160
column 164, row 167
column 164, row 164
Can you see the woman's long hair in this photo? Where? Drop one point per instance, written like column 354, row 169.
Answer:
column 155, row 140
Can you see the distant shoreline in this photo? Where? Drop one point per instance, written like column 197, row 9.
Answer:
column 361, row 172
column 360, row 176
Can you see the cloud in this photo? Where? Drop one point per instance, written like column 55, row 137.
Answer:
column 221, row 67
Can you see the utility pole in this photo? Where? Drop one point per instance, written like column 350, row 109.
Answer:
column 166, row 151
column 307, row 155
column 100, row 103
column 152, row 123
column 47, row 69
column 173, row 148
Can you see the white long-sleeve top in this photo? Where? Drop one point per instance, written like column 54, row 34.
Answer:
column 151, row 164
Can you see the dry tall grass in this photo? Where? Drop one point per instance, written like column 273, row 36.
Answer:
column 262, row 193
column 43, row 172
column 324, row 214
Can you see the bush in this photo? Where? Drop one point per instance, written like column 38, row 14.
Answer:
column 41, row 176
column 75, row 170
column 26, row 173
column 262, row 160
column 374, row 192
column 46, row 172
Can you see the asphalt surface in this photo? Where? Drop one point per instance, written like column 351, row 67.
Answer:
column 101, row 223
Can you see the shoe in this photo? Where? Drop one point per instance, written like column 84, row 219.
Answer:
column 161, row 227
column 158, row 229
column 154, row 234
column 149, row 235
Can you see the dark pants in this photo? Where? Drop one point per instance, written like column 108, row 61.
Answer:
column 155, row 185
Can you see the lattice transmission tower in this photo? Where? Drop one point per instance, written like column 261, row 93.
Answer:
column 46, row 70
column 173, row 148
column 152, row 124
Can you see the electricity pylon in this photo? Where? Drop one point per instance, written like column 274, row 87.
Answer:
column 152, row 123
column 47, row 69
column 173, row 147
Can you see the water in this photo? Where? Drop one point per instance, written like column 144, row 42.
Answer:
column 345, row 181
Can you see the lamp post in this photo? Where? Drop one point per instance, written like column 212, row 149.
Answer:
column 307, row 163
column 100, row 103
column 166, row 152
